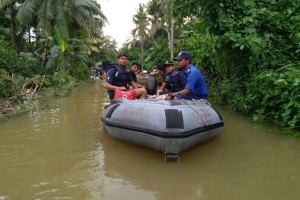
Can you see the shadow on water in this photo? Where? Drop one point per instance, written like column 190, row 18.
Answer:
column 62, row 152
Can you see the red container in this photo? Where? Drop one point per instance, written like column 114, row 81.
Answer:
column 124, row 94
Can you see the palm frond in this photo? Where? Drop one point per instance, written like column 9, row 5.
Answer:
column 45, row 14
column 5, row 3
column 80, row 15
column 61, row 18
column 26, row 12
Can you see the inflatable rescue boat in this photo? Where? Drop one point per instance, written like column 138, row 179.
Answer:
column 167, row 126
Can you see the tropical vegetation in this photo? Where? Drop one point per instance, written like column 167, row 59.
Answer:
column 48, row 47
column 248, row 50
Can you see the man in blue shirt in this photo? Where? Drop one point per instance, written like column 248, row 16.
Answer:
column 195, row 87
column 119, row 77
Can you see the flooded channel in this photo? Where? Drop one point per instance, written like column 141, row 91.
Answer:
column 62, row 152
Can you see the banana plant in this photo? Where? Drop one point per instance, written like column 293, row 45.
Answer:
column 65, row 54
column 60, row 40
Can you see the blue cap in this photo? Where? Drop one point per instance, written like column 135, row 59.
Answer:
column 183, row 54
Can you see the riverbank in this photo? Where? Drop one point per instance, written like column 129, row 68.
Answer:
column 24, row 102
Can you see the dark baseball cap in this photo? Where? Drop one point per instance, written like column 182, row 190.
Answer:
column 183, row 54
column 168, row 63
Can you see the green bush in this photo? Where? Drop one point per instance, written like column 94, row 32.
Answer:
column 13, row 63
column 241, row 47
column 61, row 83
column 10, row 85
column 274, row 95
column 5, row 84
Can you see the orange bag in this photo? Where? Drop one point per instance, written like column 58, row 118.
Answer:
column 124, row 94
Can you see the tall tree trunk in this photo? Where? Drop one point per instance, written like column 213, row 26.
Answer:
column 172, row 40
column 13, row 27
column 142, row 52
column 29, row 35
column 44, row 55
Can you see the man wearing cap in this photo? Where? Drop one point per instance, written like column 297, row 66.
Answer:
column 195, row 87
column 175, row 80
column 119, row 77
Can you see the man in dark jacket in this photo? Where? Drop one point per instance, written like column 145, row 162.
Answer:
column 118, row 77
column 174, row 81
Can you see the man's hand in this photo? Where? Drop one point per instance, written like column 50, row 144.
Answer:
column 169, row 97
column 158, row 91
column 121, row 88
column 153, row 73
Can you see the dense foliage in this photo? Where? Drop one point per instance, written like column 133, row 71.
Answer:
column 273, row 95
column 13, row 63
column 18, row 74
column 250, row 53
column 248, row 50
column 48, row 47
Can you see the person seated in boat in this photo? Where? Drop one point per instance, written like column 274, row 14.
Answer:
column 118, row 77
column 134, row 70
column 160, row 73
column 159, row 70
column 175, row 80
column 195, row 87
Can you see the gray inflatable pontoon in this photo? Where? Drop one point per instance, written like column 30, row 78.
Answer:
column 167, row 126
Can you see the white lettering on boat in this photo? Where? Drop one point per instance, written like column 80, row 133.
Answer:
column 133, row 114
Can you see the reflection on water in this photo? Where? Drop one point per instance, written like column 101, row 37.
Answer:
column 62, row 152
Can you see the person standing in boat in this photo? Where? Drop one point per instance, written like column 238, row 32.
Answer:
column 195, row 87
column 175, row 80
column 118, row 77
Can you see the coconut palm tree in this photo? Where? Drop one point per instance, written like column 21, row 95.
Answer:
column 167, row 8
column 86, row 13
column 161, row 18
column 10, row 8
column 61, row 13
column 155, row 17
column 141, row 28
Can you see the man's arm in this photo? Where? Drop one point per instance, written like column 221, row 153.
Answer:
column 185, row 91
column 162, row 88
column 112, row 87
column 134, row 85
column 153, row 73
column 139, row 85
